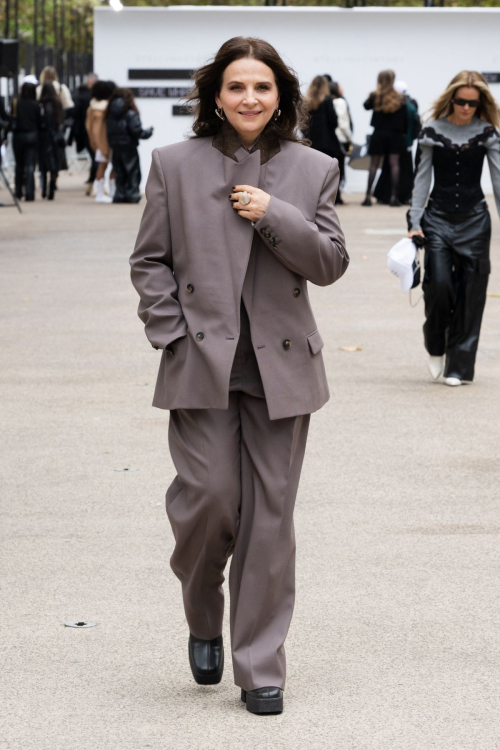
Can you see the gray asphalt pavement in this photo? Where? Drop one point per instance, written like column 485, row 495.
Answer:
column 395, row 639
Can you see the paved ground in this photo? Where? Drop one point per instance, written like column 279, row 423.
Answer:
column 395, row 639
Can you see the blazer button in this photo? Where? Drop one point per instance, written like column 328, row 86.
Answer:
column 190, row 288
column 263, row 231
column 200, row 336
column 296, row 292
column 287, row 344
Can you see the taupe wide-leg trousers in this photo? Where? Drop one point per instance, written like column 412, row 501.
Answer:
column 238, row 474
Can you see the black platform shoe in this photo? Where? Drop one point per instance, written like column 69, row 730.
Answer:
column 206, row 659
column 266, row 700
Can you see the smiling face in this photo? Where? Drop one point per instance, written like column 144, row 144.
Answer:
column 463, row 113
column 249, row 96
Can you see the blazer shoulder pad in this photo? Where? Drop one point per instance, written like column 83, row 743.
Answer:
column 179, row 151
column 308, row 157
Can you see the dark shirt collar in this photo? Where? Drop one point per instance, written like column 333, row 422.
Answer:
column 228, row 142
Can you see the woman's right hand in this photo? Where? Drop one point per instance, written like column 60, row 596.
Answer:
column 417, row 232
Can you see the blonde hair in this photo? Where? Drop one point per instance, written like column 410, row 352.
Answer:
column 488, row 108
column 317, row 92
column 48, row 75
column 386, row 98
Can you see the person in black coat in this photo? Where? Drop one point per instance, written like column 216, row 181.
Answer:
column 81, row 99
column 51, row 138
column 390, row 123
column 323, row 118
column 323, row 121
column 124, row 129
column 26, row 126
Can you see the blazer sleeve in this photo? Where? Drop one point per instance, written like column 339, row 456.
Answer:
column 421, row 186
column 151, row 266
column 314, row 249
column 493, row 154
column 370, row 102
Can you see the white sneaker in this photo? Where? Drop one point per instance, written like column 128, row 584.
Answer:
column 453, row 381
column 435, row 365
column 99, row 190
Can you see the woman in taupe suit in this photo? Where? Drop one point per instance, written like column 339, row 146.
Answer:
column 238, row 219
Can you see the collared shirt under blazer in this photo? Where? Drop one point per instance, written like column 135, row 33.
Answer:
column 195, row 259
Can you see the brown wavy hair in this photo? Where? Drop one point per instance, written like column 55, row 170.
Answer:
column 386, row 98
column 317, row 92
column 208, row 81
column 128, row 100
column 488, row 107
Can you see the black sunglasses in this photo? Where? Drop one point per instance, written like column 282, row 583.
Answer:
column 471, row 102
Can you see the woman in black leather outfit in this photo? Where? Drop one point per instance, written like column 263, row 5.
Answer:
column 456, row 222
column 26, row 126
column 124, row 129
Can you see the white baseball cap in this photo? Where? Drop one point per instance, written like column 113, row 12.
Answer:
column 30, row 79
column 401, row 261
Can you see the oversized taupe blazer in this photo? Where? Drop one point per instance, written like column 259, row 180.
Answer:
column 195, row 259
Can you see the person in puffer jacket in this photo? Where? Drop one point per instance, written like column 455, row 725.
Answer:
column 124, row 130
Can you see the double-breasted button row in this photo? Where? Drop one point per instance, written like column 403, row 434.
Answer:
column 269, row 237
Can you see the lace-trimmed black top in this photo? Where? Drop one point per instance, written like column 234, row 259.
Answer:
column 456, row 154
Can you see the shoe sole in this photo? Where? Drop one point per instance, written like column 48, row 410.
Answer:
column 207, row 679
column 262, row 705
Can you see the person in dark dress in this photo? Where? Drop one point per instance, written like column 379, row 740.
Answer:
column 390, row 123
column 124, row 129
column 51, row 139
column 382, row 190
column 26, row 124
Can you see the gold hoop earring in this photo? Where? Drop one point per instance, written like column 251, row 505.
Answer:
column 277, row 113
column 220, row 113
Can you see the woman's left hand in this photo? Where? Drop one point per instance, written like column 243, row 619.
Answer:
column 259, row 201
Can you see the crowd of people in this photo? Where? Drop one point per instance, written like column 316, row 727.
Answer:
column 395, row 122
column 99, row 117
column 453, row 223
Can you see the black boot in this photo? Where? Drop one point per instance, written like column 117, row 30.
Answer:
column 266, row 700
column 206, row 659
column 52, row 188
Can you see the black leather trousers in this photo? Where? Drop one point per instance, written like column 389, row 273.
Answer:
column 127, row 174
column 25, row 151
column 457, row 264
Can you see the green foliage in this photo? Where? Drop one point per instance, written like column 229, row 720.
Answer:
column 68, row 21
column 68, row 24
